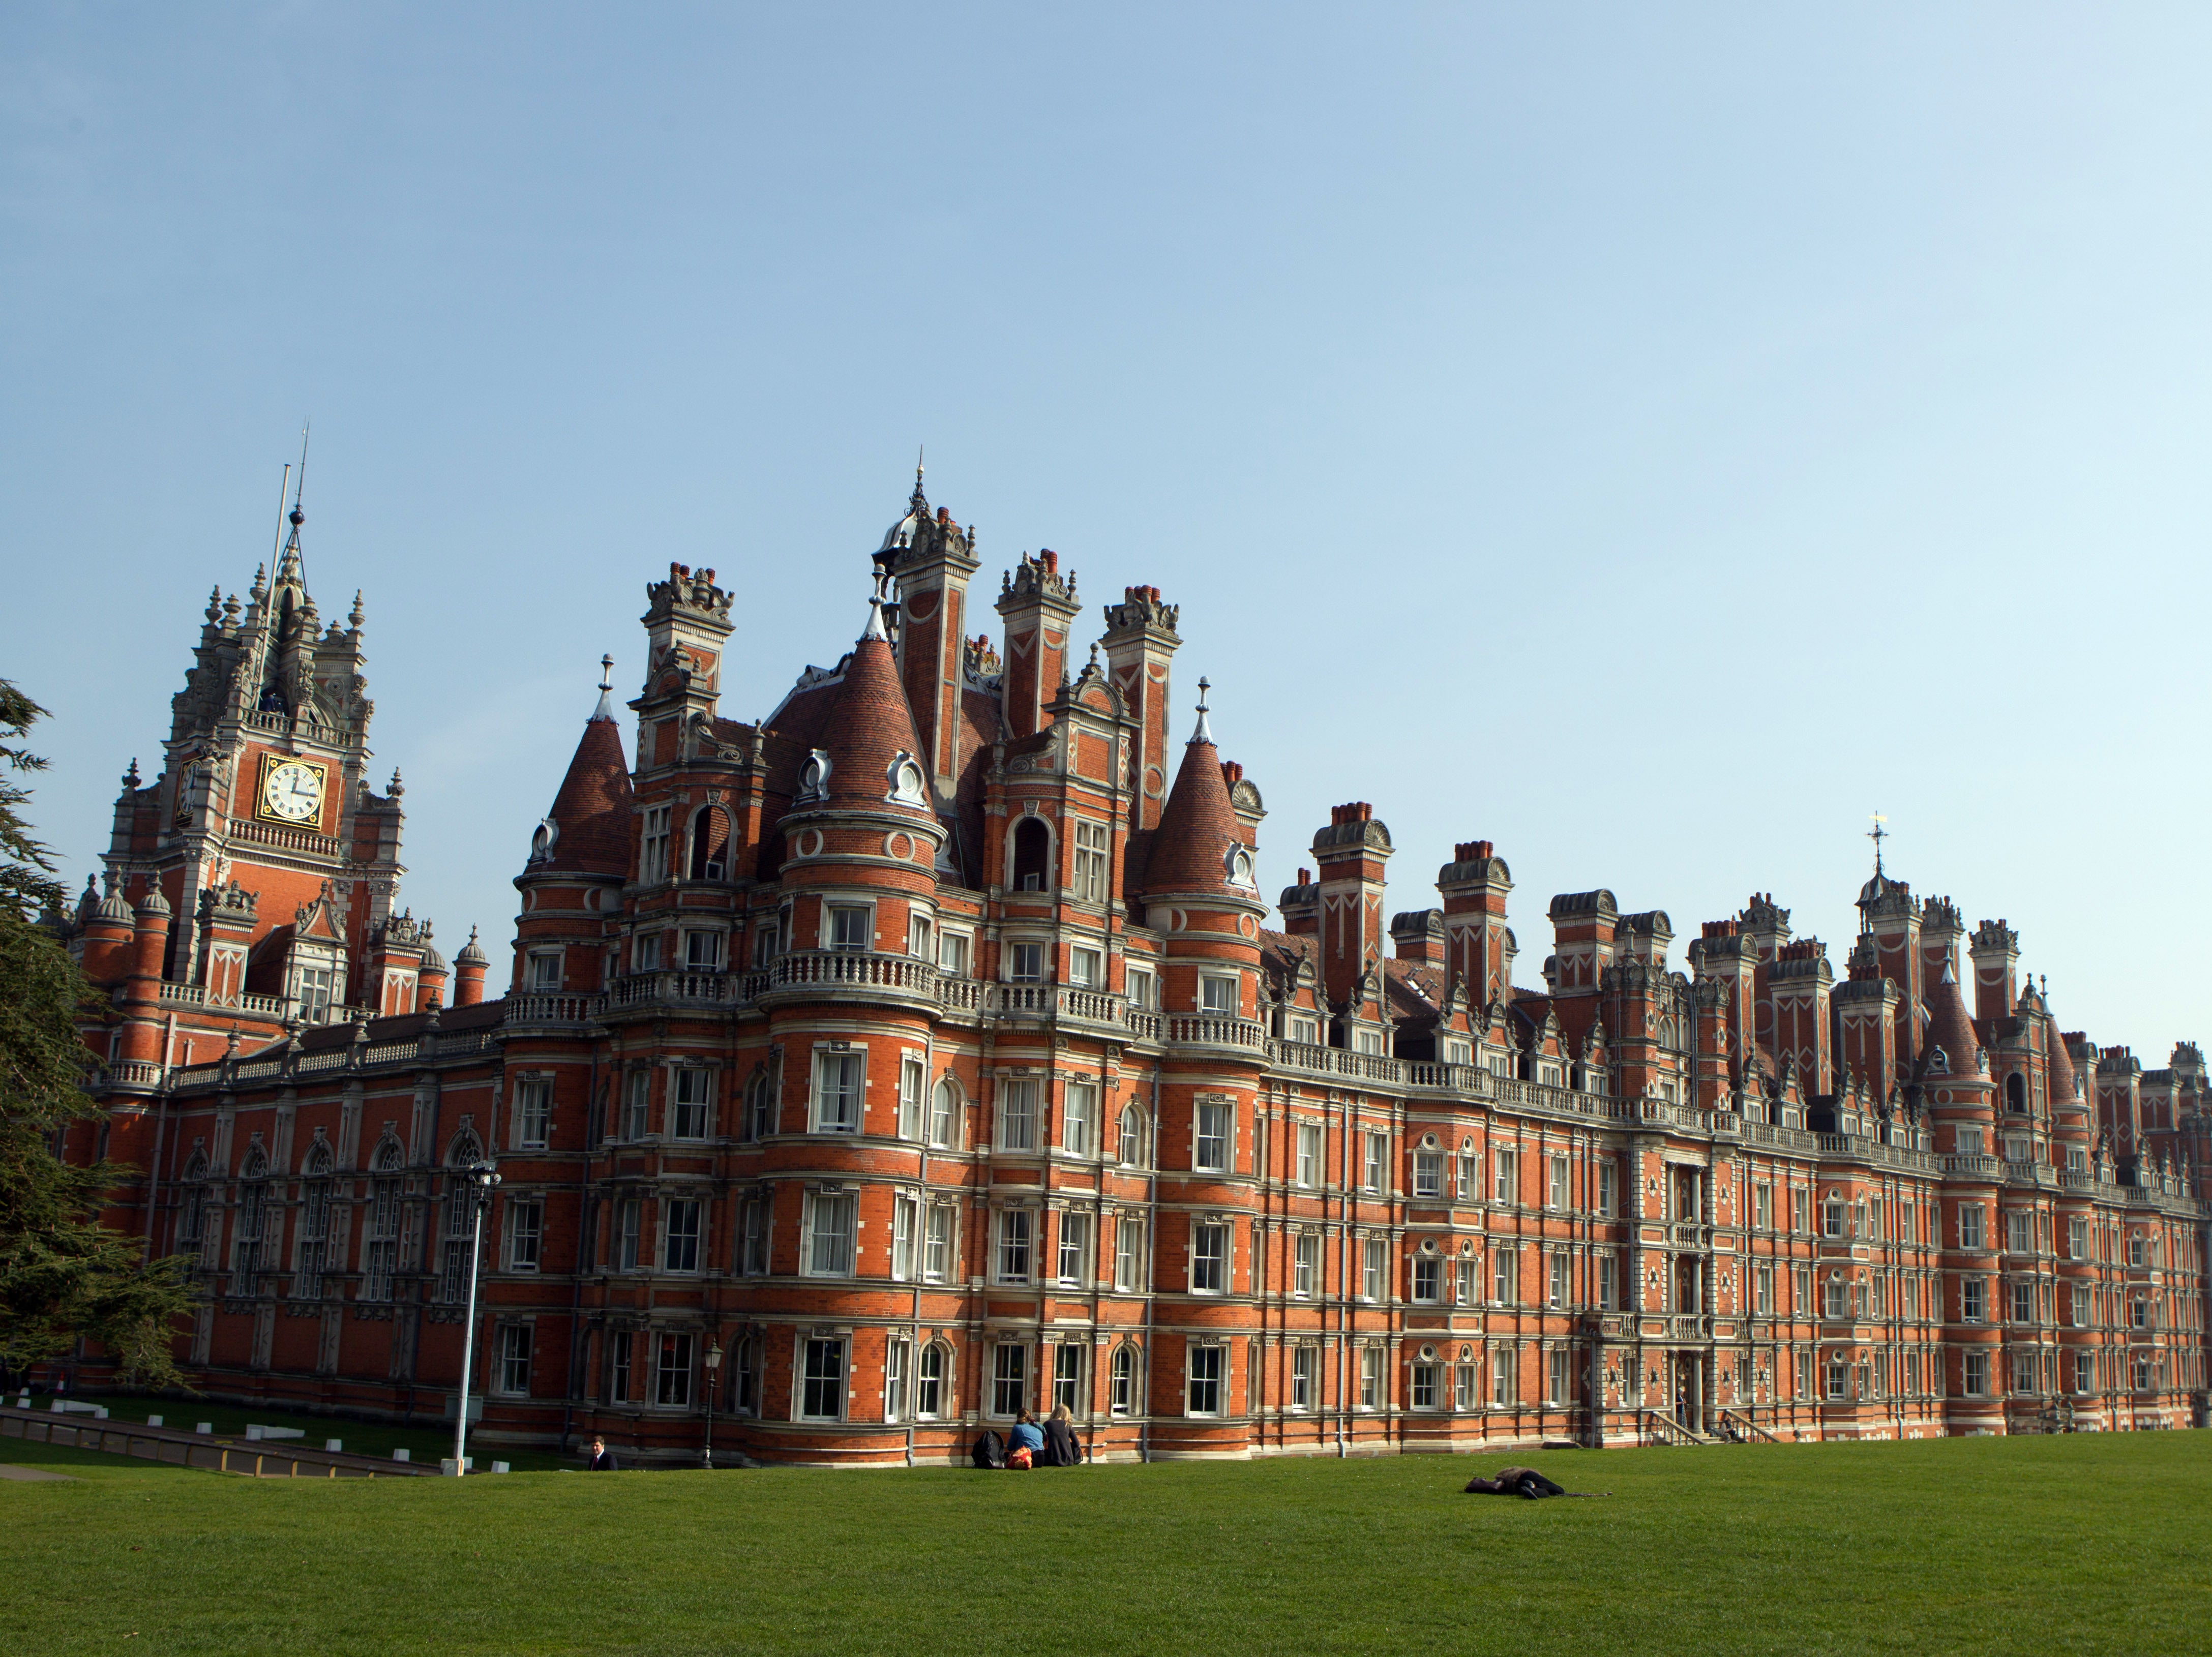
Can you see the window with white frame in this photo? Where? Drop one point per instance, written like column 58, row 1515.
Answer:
column 849, row 927
column 760, row 1105
column 1374, row 1158
column 1459, row 1051
column 1018, row 1112
column 1217, row 993
column 653, row 847
column 694, row 1103
column 1213, row 1123
column 1072, row 1260
column 1305, row 1368
column 1972, row 1219
column 1831, row 1215
column 954, row 951
column 1374, row 1268
column 1555, row 1375
column 630, row 1229
column 2077, row 1238
column 1507, row 1166
column 906, row 1226
column 943, row 1113
column 1428, row 1174
column 1608, row 1289
column 671, row 1372
column 1365, row 1038
column 1209, row 1370
column 1608, row 1187
column 1370, row 1377
column 2023, row 1302
column 1467, row 1286
column 511, row 1361
column 1305, row 1265
column 1466, row 1393
column 914, row 1083
column 930, row 1400
column 1763, row 1289
column 939, row 1256
column 1010, row 1378
column 1421, row 1391
column 1024, row 962
column 832, row 1227
column 919, row 941
column 545, row 972
column 1504, row 1275
column 1551, row 1072
column 1122, row 1395
column 1067, row 1389
column 898, row 1359
column 637, row 1104
column 1428, row 1276
column 1017, row 1229
column 1209, row 1257
column 752, row 1235
column 1557, row 1292
column 822, row 1379
column 2078, row 1305
column 1557, row 1197
column 1503, row 1367
column 1466, row 1177
column 1079, row 1115
column 767, row 939
column 837, row 1084
column 1128, row 1254
column 1973, row 1293
column 1303, row 1026
column 679, row 1235
column 1091, row 862
column 1309, row 1153
column 533, row 1111
column 525, row 1231
column 703, row 950
column 1086, row 968
column 1142, row 989
column 1129, row 1138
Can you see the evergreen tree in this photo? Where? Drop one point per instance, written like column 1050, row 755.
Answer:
column 63, row 1275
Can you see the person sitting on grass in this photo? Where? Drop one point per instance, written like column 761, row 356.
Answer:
column 1061, row 1448
column 1023, row 1443
column 1515, row 1481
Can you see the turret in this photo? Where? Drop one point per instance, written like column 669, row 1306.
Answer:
column 1351, row 854
column 1996, row 952
column 469, row 973
column 1479, row 946
column 1140, row 646
column 687, row 620
column 579, row 854
column 931, row 560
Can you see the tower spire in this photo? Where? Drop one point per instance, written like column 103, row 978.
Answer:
column 1877, row 835
column 605, row 710
column 1205, row 732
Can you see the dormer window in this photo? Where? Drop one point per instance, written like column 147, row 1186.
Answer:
column 908, row 785
column 1238, row 867
column 814, row 777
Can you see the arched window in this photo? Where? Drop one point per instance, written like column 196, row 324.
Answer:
column 1032, row 856
column 710, row 844
column 457, row 1255
column 252, row 1218
column 1121, row 1397
column 192, row 1237
column 2015, row 1092
column 760, row 1105
column 945, row 1113
column 314, row 1224
column 1129, row 1142
column 380, row 1245
column 932, row 1394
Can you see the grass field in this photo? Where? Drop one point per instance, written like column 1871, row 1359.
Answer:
column 2080, row 1544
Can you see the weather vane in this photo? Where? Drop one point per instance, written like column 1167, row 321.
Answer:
column 1877, row 835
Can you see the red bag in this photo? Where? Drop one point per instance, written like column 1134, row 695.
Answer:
column 1020, row 1458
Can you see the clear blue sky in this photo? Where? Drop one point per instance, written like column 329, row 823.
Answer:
column 1649, row 438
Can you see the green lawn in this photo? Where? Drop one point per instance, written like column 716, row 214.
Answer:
column 2082, row 1544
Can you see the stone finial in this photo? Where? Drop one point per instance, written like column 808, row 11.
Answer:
column 356, row 615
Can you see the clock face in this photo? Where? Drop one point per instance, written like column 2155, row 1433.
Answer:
column 292, row 792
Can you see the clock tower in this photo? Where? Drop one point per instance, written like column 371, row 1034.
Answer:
column 277, row 863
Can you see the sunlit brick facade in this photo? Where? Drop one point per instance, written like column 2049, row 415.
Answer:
column 923, row 1049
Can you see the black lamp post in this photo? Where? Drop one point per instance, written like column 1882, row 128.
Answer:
column 714, row 1374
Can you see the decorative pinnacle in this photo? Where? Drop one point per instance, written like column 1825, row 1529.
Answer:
column 606, row 673
column 131, row 777
column 1205, row 732
column 356, row 615
column 397, row 787
column 605, row 710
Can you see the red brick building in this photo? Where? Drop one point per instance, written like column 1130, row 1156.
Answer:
column 923, row 1052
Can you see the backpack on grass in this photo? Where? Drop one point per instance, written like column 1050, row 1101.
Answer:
column 990, row 1451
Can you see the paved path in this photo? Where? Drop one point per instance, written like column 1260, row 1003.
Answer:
column 33, row 1475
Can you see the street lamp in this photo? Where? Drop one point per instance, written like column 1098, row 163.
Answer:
column 714, row 1374
column 479, row 1180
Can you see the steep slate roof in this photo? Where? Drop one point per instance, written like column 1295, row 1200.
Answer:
column 591, row 813
column 1189, row 851
column 868, row 725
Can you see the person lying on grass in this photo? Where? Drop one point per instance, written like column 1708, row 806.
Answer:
column 1519, row 1481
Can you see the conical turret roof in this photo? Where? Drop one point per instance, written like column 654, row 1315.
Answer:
column 587, row 830
column 1950, row 1027
column 1192, row 847
column 867, row 756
